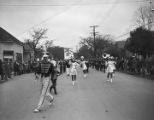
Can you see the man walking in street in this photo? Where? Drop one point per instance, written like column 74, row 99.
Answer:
column 46, row 70
column 54, row 77
column 68, row 67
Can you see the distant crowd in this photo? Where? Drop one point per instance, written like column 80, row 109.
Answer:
column 130, row 65
column 10, row 69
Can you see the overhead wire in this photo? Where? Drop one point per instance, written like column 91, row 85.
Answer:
column 70, row 5
column 108, row 13
column 45, row 20
column 73, row 4
column 120, row 36
column 129, row 32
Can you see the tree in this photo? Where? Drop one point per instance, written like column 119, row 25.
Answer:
column 87, row 42
column 48, row 44
column 101, row 44
column 144, row 17
column 116, row 52
column 36, row 36
column 57, row 52
column 84, row 51
column 141, row 41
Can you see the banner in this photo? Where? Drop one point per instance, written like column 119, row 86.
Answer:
column 68, row 53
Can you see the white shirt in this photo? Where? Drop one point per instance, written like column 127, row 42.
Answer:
column 84, row 66
column 110, row 66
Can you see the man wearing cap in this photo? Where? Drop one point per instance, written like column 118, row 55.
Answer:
column 45, row 70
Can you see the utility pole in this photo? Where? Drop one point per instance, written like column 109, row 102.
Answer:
column 94, row 35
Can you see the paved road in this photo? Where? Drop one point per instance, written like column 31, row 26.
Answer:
column 92, row 98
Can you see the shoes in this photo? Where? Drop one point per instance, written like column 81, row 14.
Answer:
column 73, row 83
column 84, row 76
column 36, row 110
column 51, row 101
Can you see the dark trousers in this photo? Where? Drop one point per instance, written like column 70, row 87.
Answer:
column 54, row 84
column 73, row 77
column 2, row 76
column 109, row 75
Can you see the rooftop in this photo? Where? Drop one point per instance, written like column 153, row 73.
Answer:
column 6, row 37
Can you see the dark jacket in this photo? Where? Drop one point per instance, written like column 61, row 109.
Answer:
column 55, row 74
column 45, row 69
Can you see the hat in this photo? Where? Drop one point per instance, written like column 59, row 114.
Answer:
column 45, row 56
column 82, row 57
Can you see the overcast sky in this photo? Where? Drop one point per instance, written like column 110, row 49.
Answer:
column 68, row 20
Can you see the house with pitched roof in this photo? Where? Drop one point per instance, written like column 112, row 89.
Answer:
column 11, row 49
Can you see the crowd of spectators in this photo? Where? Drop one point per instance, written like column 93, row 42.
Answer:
column 131, row 65
column 10, row 69
column 136, row 66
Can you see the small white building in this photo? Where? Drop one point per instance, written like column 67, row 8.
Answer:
column 11, row 48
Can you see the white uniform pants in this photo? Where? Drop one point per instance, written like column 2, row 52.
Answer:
column 45, row 84
column 68, row 71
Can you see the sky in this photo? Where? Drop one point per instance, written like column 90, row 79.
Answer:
column 68, row 20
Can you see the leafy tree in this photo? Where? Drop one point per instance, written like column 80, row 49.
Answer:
column 101, row 44
column 57, row 52
column 115, row 51
column 141, row 41
column 84, row 51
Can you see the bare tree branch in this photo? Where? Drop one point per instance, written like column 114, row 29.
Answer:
column 36, row 36
column 144, row 17
column 48, row 44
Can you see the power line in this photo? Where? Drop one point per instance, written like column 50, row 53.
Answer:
column 108, row 13
column 122, row 35
column 76, row 4
column 45, row 20
column 130, row 31
column 139, row 26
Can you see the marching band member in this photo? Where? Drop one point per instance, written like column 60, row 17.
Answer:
column 110, row 69
column 73, row 72
column 45, row 70
column 84, row 66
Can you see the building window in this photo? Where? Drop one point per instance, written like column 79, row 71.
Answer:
column 8, row 55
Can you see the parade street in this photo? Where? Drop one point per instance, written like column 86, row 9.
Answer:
column 128, row 97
